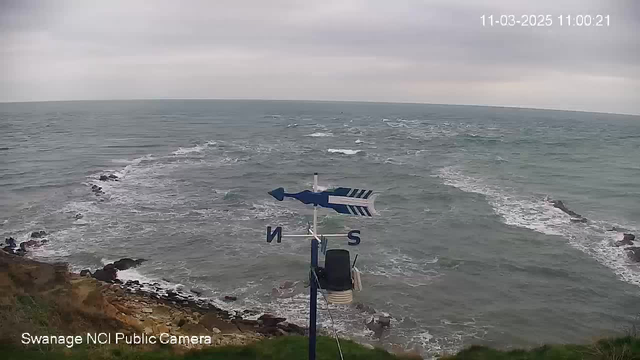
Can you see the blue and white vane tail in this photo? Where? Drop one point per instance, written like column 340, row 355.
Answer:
column 343, row 200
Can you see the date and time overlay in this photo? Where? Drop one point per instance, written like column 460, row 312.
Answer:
column 546, row 20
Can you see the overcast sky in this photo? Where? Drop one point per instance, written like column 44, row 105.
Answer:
column 431, row 51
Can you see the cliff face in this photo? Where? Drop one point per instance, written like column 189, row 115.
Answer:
column 46, row 299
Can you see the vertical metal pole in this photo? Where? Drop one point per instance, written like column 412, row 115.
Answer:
column 314, row 286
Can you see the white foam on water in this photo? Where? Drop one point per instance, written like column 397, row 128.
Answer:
column 344, row 151
column 135, row 161
column 536, row 213
column 185, row 151
column 320, row 134
column 194, row 149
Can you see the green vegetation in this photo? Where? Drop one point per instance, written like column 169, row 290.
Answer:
column 295, row 347
column 623, row 348
column 285, row 347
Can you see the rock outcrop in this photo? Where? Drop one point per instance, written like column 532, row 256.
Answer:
column 575, row 217
column 627, row 239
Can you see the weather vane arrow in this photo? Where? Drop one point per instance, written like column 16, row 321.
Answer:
column 343, row 200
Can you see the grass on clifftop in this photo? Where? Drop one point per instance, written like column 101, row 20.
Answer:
column 622, row 348
column 280, row 348
column 295, row 347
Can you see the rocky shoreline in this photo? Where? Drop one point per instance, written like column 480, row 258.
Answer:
column 131, row 307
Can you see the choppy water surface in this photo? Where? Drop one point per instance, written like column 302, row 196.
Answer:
column 466, row 251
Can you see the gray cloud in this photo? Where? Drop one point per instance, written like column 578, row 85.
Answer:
column 377, row 50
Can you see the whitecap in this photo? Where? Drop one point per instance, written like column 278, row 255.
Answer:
column 184, row 151
column 344, row 151
column 320, row 134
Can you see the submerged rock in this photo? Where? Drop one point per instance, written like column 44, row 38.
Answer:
column 127, row 263
column 633, row 253
column 558, row 204
column 11, row 242
column 38, row 234
column 229, row 298
column 627, row 239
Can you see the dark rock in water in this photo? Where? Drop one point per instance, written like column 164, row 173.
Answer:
column 112, row 176
column 85, row 272
column 38, row 234
column 365, row 308
column 20, row 252
column 579, row 220
column 107, row 274
column 171, row 294
column 8, row 249
column 380, row 324
column 270, row 320
column 94, row 187
column 11, row 242
column 104, row 178
column 627, row 239
column 44, row 241
column 633, row 253
column 78, row 216
column 560, row 205
column 31, row 243
column 228, row 298
column 385, row 321
column 127, row 263
column 618, row 229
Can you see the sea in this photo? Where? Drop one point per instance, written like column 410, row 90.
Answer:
column 466, row 249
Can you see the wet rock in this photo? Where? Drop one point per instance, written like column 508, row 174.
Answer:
column 112, row 177
column 379, row 324
column 38, row 234
column 627, row 239
column 633, row 253
column 229, row 298
column 11, row 242
column 85, row 272
column 558, row 204
column 106, row 274
column 579, row 220
column 385, row 321
column 365, row 308
column 78, row 216
column 103, row 178
column 182, row 322
column 127, row 263
column 270, row 320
